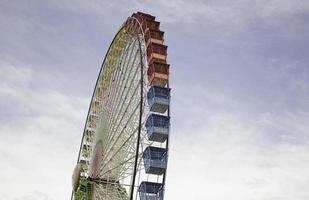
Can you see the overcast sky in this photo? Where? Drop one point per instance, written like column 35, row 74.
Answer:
column 240, row 94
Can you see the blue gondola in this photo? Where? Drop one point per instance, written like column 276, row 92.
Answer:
column 157, row 127
column 150, row 191
column 158, row 99
column 155, row 160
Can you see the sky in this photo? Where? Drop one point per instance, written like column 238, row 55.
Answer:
column 240, row 94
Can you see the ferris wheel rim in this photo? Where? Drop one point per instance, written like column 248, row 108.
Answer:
column 141, row 99
column 93, row 93
column 143, row 63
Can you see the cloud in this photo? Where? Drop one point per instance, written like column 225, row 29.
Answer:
column 223, row 17
column 239, row 94
column 40, row 131
column 277, row 7
column 229, row 159
column 240, row 12
column 236, row 145
column 10, row 73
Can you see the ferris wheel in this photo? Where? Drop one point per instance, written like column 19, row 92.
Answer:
column 124, row 149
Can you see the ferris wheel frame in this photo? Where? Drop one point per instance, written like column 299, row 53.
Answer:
column 131, row 33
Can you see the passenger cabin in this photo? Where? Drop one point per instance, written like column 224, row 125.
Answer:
column 86, row 150
column 89, row 134
column 151, row 191
column 157, row 127
column 155, row 160
column 147, row 21
column 84, row 163
column 158, row 73
column 143, row 16
column 156, row 52
column 151, row 24
column 158, row 99
column 154, row 36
